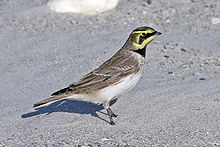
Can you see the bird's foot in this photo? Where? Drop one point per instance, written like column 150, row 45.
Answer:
column 112, row 122
column 112, row 114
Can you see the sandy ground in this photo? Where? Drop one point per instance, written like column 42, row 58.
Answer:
column 176, row 102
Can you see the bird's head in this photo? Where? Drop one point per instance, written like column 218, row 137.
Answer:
column 142, row 36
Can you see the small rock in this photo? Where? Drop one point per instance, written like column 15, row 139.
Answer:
column 144, row 12
column 202, row 79
column 167, row 21
column 166, row 56
column 157, row 41
column 105, row 139
column 196, row 73
column 217, row 64
column 170, row 73
column 73, row 22
column 197, row 54
column 215, row 20
column 182, row 49
column 216, row 100
column 2, row 145
column 85, row 144
column 149, row 2
column 165, row 45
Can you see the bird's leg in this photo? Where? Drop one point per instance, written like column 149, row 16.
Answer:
column 112, row 113
column 110, row 116
column 109, row 112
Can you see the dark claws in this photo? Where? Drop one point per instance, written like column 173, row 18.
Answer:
column 112, row 122
column 111, row 114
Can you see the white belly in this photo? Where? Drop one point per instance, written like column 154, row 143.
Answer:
column 118, row 89
column 110, row 92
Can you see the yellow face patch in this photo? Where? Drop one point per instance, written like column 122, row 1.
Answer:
column 144, row 43
column 140, row 38
column 140, row 32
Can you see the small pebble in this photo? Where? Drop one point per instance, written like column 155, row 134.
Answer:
column 202, row 79
column 215, row 20
column 182, row 49
column 170, row 72
column 216, row 100
column 196, row 73
column 165, row 45
column 105, row 139
column 157, row 41
column 167, row 21
column 144, row 12
column 149, row 2
column 166, row 56
column 73, row 22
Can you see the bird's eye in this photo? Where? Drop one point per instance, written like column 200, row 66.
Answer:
column 143, row 34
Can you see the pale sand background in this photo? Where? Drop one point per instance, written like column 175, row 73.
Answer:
column 176, row 102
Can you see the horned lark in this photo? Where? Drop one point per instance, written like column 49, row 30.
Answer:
column 114, row 77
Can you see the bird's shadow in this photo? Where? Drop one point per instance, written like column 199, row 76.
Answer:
column 69, row 106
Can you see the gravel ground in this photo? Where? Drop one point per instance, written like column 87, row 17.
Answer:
column 176, row 102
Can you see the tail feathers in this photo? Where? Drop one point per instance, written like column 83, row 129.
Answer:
column 51, row 99
column 61, row 91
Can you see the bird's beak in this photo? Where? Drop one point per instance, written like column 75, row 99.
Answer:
column 158, row 33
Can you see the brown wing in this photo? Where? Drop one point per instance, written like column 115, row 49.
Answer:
column 108, row 73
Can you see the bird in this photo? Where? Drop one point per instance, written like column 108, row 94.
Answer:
column 113, row 78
